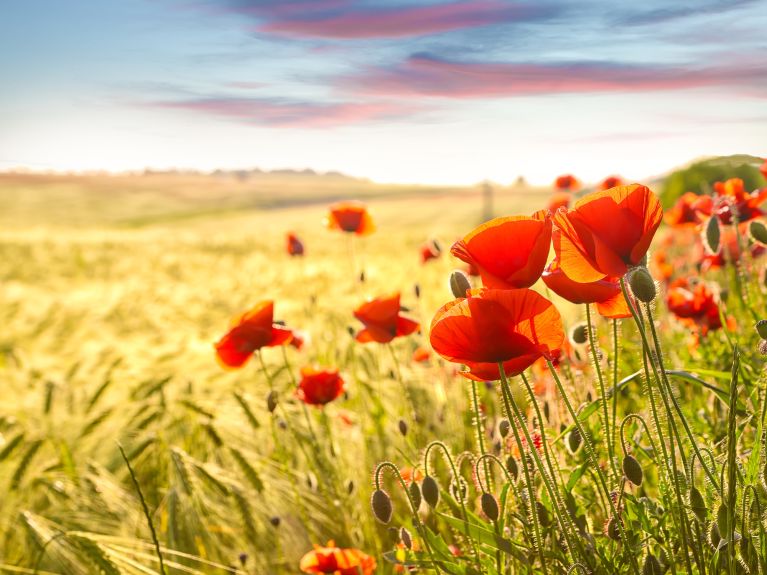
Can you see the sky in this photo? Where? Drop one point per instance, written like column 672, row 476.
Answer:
column 418, row 91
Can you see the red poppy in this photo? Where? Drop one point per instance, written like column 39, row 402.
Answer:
column 693, row 300
column 559, row 200
column 567, row 182
column 351, row 217
column 733, row 200
column 249, row 332
column 688, row 210
column 382, row 320
column 509, row 252
column 295, row 246
column 431, row 250
column 319, row 386
column 421, row 355
column 336, row 561
column 729, row 251
column 660, row 266
column 606, row 232
column 611, row 182
column 299, row 339
column 606, row 293
column 514, row 327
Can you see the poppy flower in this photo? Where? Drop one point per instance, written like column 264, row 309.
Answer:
column 382, row 320
column 431, row 250
column 688, row 210
column 350, row 217
column 606, row 232
column 660, row 266
column 567, row 182
column 319, row 386
column 610, row 182
column 336, row 561
column 299, row 339
column 606, row 293
column 732, row 200
column 508, row 252
column 250, row 332
column 559, row 200
column 421, row 355
column 729, row 251
column 512, row 327
column 693, row 300
column 294, row 246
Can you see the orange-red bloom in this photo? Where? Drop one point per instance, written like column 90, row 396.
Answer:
column 431, row 250
column 421, row 355
column 294, row 246
column 733, row 200
column 567, row 182
column 606, row 293
column 351, row 217
column 694, row 301
column 606, row 232
column 333, row 560
column 509, row 252
column 249, row 332
column 319, row 386
column 382, row 320
column 559, row 200
column 611, row 182
column 513, row 327
column 688, row 210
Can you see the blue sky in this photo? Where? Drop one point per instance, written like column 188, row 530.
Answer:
column 419, row 91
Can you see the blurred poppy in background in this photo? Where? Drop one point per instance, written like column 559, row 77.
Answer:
column 336, row 561
column 513, row 327
column 610, row 182
column 295, row 246
column 606, row 232
column 733, row 201
column 249, row 332
column 689, row 210
column 567, row 182
column 350, row 217
column 694, row 301
column 508, row 252
column 431, row 250
column 319, row 386
column 383, row 321
column 559, row 200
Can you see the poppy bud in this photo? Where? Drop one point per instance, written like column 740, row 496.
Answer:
column 381, row 504
column 642, row 285
column 632, row 470
column 489, row 506
column 311, row 481
column 459, row 284
column 758, row 231
column 275, row 521
column 362, row 277
column 430, row 491
column 723, row 519
column 415, row 495
column 404, row 536
column 762, row 347
column 417, row 290
column 579, row 334
column 243, row 557
column 712, row 235
column 543, row 514
column 282, row 424
column 271, row 401
column 511, row 466
column 402, row 427
column 574, row 440
column 651, row 565
column 714, row 537
column 697, row 504
column 613, row 529
column 350, row 330
column 503, row 427
column 761, row 328
column 350, row 487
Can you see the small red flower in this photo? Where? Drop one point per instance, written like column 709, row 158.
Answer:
column 513, row 327
column 350, row 217
column 606, row 293
column 567, row 182
column 421, row 355
column 689, row 210
column 249, row 332
column 431, row 250
column 606, row 232
column 733, row 200
column 693, row 300
column 508, row 252
column 294, row 246
column 611, row 182
column 332, row 560
column 383, row 321
column 319, row 386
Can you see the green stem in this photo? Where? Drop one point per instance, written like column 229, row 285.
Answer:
column 480, row 431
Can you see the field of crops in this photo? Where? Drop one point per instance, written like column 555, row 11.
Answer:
column 128, row 447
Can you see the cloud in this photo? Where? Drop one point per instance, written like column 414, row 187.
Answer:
column 426, row 75
column 643, row 16
column 279, row 113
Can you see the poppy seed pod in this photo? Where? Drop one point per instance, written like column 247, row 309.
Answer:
column 430, row 491
column 579, row 334
column 511, row 466
column 404, row 536
column 574, row 440
column 758, row 231
column 402, row 427
column 642, row 285
column 271, row 401
column 489, row 506
column 761, row 328
column 415, row 495
column 613, row 528
column 697, row 504
column 381, row 504
column 459, row 283
column 651, row 565
column 503, row 427
column 632, row 470
column 712, row 235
